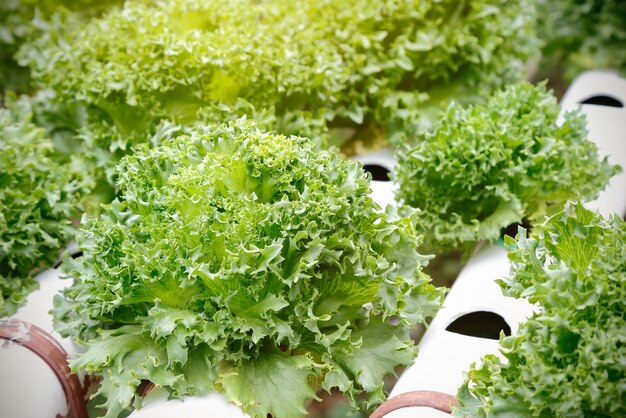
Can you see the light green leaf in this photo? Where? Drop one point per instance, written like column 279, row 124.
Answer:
column 274, row 383
column 381, row 347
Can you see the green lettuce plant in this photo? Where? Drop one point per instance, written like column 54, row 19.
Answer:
column 485, row 167
column 37, row 200
column 356, row 65
column 247, row 263
column 23, row 20
column 568, row 359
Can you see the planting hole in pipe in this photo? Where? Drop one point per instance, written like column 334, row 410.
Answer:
column 480, row 324
column 378, row 172
column 603, row 100
column 512, row 229
column 74, row 255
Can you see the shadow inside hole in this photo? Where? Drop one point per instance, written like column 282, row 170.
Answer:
column 603, row 100
column 378, row 172
column 481, row 324
column 74, row 255
column 512, row 229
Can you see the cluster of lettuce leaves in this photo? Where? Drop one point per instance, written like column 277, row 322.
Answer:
column 568, row 359
column 582, row 34
column 484, row 167
column 22, row 21
column 103, row 76
column 246, row 263
column 43, row 170
column 37, row 199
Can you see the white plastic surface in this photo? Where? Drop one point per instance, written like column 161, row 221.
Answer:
column 28, row 387
column 443, row 355
column 382, row 191
column 607, row 128
column 156, row 405
column 37, row 308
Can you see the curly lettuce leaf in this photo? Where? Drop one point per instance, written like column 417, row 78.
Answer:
column 568, row 359
column 487, row 166
column 22, row 20
column 274, row 383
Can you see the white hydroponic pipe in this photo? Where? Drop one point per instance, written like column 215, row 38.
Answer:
column 380, row 164
column 29, row 387
column 601, row 95
column 157, row 405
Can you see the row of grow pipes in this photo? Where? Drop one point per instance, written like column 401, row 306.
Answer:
column 446, row 350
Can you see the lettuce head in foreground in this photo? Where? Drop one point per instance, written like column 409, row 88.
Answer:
column 246, row 263
column 485, row 167
column 569, row 359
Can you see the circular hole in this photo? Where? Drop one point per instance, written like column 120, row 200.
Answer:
column 511, row 230
column 378, row 172
column 481, row 324
column 603, row 100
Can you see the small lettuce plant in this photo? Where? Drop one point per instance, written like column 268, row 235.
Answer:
column 485, row 167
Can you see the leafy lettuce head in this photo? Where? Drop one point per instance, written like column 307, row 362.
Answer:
column 485, row 167
column 246, row 263
column 568, row 359
column 37, row 200
column 351, row 63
